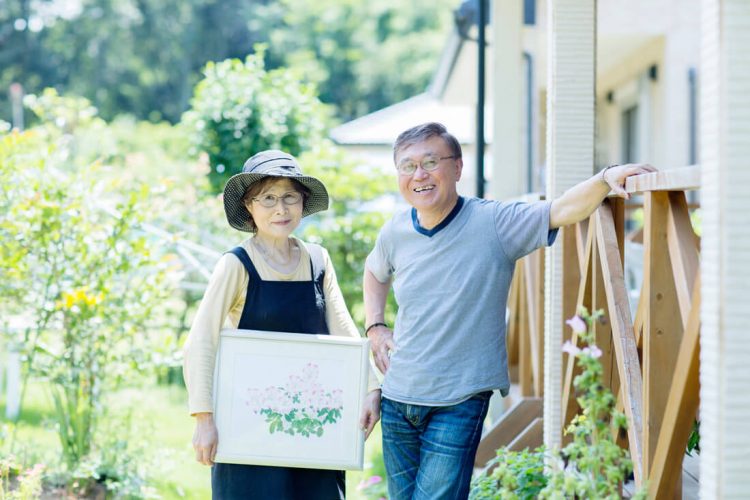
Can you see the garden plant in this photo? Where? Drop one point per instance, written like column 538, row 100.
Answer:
column 592, row 465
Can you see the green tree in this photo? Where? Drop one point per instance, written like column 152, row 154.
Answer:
column 239, row 108
column 364, row 55
column 141, row 57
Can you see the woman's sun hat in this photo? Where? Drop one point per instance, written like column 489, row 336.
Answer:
column 269, row 163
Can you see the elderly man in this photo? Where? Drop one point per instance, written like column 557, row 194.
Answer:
column 452, row 259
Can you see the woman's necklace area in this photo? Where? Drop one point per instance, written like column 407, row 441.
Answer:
column 271, row 257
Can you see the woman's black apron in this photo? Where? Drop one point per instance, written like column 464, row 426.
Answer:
column 280, row 306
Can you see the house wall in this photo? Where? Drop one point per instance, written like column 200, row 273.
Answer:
column 632, row 37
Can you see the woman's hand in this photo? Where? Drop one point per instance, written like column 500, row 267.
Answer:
column 370, row 412
column 205, row 438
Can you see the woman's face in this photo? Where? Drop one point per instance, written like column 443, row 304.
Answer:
column 279, row 220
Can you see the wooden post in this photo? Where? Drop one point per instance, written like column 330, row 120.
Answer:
column 725, row 249
column 663, row 326
column 571, row 48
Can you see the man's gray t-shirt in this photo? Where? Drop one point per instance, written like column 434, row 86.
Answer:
column 451, row 285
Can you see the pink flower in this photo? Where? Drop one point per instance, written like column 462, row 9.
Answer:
column 366, row 483
column 570, row 348
column 577, row 324
column 593, row 351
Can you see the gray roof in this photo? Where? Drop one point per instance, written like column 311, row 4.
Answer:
column 382, row 126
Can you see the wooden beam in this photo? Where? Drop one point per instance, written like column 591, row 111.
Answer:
column 602, row 331
column 568, row 401
column 511, row 336
column 663, row 326
column 581, row 236
column 676, row 179
column 682, row 404
column 531, row 437
column 507, row 428
column 524, row 338
column 628, row 364
column 535, row 321
column 574, row 265
column 539, row 288
column 683, row 251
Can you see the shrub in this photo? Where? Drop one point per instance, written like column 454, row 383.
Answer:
column 75, row 266
column 514, row 475
column 592, row 465
column 239, row 108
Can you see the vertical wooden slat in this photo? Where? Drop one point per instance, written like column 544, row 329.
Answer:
column 535, row 304
column 682, row 403
column 683, row 252
column 583, row 298
column 531, row 271
column 511, row 335
column 524, row 339
column 662, row 329
column 602, row 330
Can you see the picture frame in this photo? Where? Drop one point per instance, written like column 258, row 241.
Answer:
column 290, row 399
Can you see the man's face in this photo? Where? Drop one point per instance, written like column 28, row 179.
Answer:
column 435, row 191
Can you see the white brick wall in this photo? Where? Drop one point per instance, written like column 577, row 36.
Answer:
column 570, row 160
column 725, row 249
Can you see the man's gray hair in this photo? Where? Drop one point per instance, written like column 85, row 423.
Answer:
column 424, row 132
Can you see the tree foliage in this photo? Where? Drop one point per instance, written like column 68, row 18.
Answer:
column 364, row 55
column 239, row 108
column 144, row 57
column 139, row 57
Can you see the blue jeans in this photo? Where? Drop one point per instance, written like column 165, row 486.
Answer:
column 429, row 450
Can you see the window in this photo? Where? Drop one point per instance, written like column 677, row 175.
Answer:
column 630, row 134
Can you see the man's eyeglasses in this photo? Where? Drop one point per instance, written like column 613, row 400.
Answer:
column 428, row 164
column 270, row 200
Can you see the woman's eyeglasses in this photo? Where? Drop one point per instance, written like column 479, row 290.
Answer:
column 270, row 200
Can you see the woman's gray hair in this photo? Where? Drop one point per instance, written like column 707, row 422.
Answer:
column 424, row 132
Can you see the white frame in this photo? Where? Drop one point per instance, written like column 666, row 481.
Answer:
column 278, row 354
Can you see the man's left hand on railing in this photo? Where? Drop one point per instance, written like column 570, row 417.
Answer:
column 614, row 176
column 580, row 201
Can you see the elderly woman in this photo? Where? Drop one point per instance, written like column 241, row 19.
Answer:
column 274, row 282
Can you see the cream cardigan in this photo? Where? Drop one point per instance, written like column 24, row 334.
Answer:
column 222, row 306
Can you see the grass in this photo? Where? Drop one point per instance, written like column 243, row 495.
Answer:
column 161, row 422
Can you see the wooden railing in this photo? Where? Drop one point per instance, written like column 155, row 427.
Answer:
column 650, row 361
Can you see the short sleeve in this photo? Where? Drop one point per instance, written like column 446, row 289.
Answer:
column 378, row 261
column 523, row 227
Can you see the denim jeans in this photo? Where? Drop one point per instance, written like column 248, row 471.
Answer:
column 429, row 450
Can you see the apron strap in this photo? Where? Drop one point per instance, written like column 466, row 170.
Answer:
column 241, row 254
column 317, row 266
column 316, row 261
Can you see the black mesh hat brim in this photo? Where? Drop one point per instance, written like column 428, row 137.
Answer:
column 235, row 188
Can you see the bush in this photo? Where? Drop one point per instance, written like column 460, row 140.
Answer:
column 514, row 475
column 75, row 266
column 239, row 108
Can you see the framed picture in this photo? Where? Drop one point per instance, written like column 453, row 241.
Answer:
column 290, row 399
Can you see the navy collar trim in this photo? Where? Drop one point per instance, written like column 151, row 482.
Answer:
column 443, row 223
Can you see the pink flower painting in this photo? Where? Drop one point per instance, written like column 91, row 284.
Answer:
column 301, row 407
